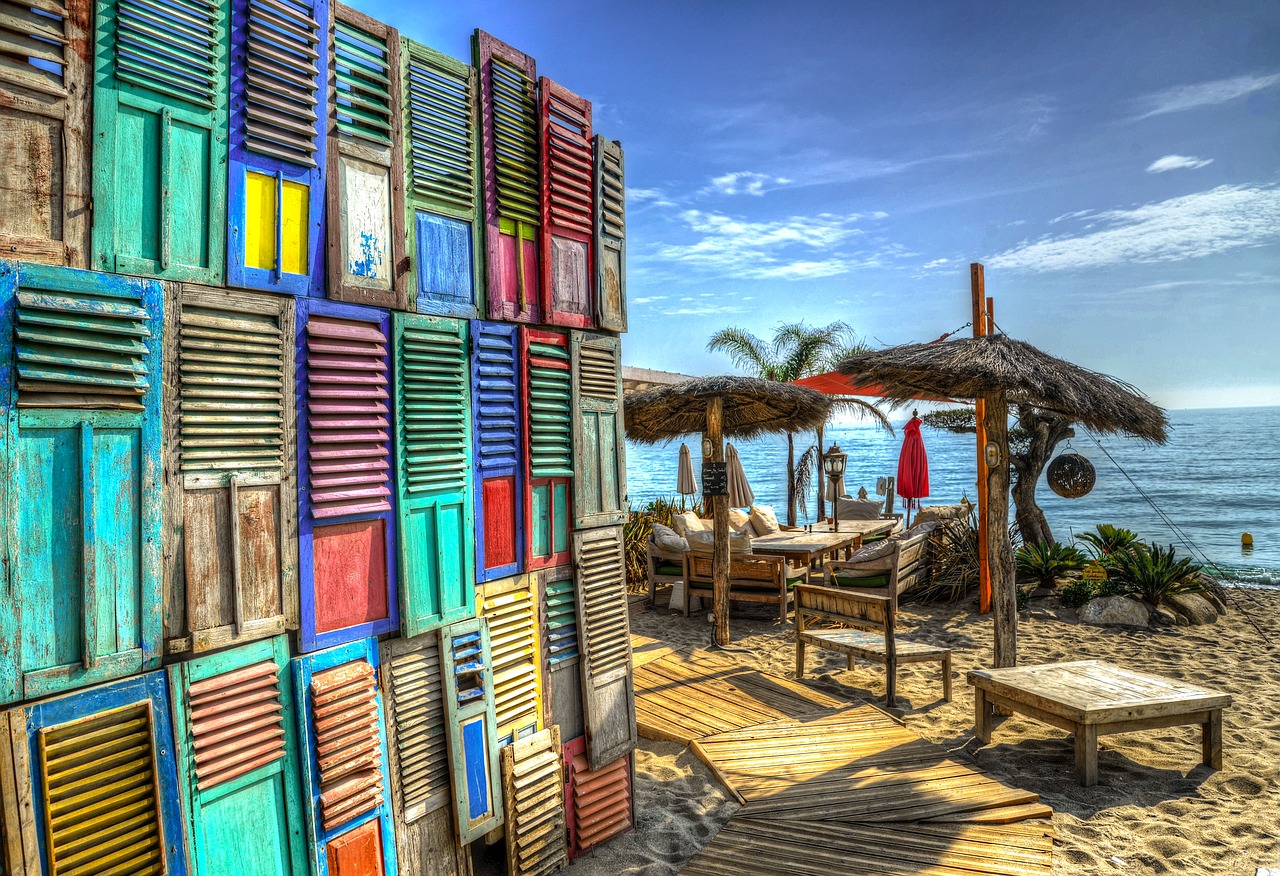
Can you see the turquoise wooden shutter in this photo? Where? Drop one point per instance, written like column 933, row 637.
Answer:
column 160, row 139
column 467, row 669
column 611, row 236
column 443, row 176
column 599, row 446
column 80, row 379
column 433, row 471
column 548, row 446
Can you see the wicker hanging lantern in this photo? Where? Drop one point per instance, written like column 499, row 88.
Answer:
column 1071, row 475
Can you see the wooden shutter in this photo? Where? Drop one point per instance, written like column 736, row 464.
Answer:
column 599, row 445
column 80, row 378
column 276, row 184
column 443, row 176
column 238, row 761
column 160, row 139
column 346, row 782
column 495, row 394
column 511, row 608
column 45, row 97
column 467, row 669
column 611, row 237
column 366, row 162
column 231, row 540
column 509, row 152
column 533, row 794
column 599, row 802
column 563, row 655
column 433, row 465
column 346, row 525
column 608, row 688
column 548, row 445
column 568, row 194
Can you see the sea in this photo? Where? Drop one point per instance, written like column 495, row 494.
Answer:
column 1217, row 478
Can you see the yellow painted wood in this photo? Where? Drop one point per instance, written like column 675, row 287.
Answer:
column 260, row 221
column 295, row 215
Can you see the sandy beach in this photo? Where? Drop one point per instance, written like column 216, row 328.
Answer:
column 1154, row 809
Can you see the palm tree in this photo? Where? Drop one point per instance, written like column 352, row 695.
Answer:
column 796, row 351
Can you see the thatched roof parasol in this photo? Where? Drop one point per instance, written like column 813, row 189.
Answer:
column 971, row 367
column 752, row 406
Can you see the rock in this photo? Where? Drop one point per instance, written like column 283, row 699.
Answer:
column 1213, row 591
column 1164, row 617
column 1114, row 611
column 1194, row 607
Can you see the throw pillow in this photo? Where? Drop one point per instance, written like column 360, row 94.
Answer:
column 704, row 540
column 687, row 522
column 667, row 539
column 764, row 521
column 874, row 551
column 940, row 512
column 740, row 521
column 859, row 509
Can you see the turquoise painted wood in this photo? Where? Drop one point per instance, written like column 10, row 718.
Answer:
column 160, row 117
column 345, row 778
column 466, row 666
column 599, row 445
column 238, row 762
column 431, row 383
column 80, row 378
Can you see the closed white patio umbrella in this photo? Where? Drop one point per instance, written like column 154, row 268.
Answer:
column 740, row 495
column 686, row 485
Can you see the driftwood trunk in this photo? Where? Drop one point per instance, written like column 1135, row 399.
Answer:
column 720, row 524
column 791, row 479
column 1044, row 433
column 1004, row 599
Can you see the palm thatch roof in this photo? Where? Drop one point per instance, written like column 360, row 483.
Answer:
column 752, row 406
column 970, row 367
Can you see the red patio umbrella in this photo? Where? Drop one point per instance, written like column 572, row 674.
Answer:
column 913, row 465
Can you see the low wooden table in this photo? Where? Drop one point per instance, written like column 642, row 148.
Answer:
column 1091, row 699
column 799, row 546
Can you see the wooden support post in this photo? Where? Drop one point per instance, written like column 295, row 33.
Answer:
column 996, row 534
column 1087, row 754
column 720, row 525
column 977, row 288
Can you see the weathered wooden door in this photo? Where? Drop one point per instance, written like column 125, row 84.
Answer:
column 417, row 740
column 568, row 194
column 546, row 385
column 443, row 174
column 82, row 485
column 231, row 540
column 160, row 139
column 533, row 797
column 433, row 471
column 367, row 262
column 46, row 92
column 238, row 762
column 510, row 606
column 598, row 801
column 509, row 152
column 599, row 445
column 499, row 474
column 563, row 655
column 607, row 684
column 276, row 181
column 467, row 670
column 98, row 779
column 611, row 236
column 346, row 780
column 346, row 525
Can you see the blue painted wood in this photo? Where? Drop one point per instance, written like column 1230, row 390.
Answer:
column 495, row 398
column 445, row 265
column 310, row 637
column 81, row 474
column 320, row 835
column 150, row 689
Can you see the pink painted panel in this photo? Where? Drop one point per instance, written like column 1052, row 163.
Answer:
column 350, row 562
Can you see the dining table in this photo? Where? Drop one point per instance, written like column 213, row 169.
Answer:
column 805, row 546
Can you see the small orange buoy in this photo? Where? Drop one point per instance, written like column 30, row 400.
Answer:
column 1246, row 540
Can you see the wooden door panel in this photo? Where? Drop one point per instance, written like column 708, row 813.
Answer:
column 358, row 852
column 610, row 236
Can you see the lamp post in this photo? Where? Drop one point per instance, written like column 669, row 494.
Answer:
column 833, row 465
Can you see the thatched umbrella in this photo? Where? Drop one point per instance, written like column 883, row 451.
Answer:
column 1000, row 370
column 719, row 408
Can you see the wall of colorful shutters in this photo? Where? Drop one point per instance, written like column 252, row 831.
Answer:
column 369, row 386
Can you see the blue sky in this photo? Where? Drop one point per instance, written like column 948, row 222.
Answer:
column 1116, row 166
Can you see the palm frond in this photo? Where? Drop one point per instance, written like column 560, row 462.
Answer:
column 745, row 350
column 867, row 409
column 803, row 477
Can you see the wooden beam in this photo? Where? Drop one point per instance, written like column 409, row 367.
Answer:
column 977, row 289
column 720, row 525
column 996, row 533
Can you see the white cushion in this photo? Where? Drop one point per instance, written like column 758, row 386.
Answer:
column 740, row 521
column 666, row 538
column 703, row 541
column 764, row 521
column 859, row 509
column 687, row 522
column 941, row 512
column 874, row 551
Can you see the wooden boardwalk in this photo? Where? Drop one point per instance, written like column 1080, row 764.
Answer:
column 828, row 786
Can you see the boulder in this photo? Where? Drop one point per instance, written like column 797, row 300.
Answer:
column 1114, row 611
column 1165, row 618
column 1213, row 591
column 1194, row 607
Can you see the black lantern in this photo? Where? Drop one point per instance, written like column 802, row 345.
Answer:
column 1071, row 475
column 833, row 462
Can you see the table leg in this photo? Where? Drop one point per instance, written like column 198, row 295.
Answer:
column 1211, row 740
column 946, row 676
column 1087, row 754
column 981, row 716
column 799, row 659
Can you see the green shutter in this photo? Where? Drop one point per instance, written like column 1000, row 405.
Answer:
column 600, row 488
column 550, row 430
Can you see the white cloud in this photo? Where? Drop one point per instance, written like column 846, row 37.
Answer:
column 1177, row 162
column 1077, row 214
column 704, row 310
column 1186, row 227
column 648, row 299
column 657, row 197
column 1186, row 97
column 936, row 263
column 744, row 182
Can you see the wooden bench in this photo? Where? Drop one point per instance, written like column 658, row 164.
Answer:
column 752, row 578
column 660, row 559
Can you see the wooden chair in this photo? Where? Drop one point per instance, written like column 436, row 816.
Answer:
column 658, row 560
column 752, row 578
column 867, row 617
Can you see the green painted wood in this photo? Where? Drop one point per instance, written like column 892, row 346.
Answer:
column 160, row 110
column 599, row 446
column 432, row 390
column 466, row 667
column 80, row 377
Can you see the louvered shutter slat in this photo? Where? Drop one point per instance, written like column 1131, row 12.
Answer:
column 171, row 49
column 562, row 622
column 363, row 75
column 550, row 438
column 417, row 715
column 441, row 163
column 610, row 236
column 348, row 746
column 281, row 93
column 511, row 608
column 236, row 723
column 496, row 398
column 433, row 400
column 533, row 789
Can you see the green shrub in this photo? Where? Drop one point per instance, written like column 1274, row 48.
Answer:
column 1047, row 561
column 1077, row 593
column 1023, row 597
column 1154, row 573
column 1107, row 539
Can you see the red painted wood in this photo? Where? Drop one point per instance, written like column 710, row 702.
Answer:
column 350, row 574
column 499, row 498
column 568, row 209
column 357, row 852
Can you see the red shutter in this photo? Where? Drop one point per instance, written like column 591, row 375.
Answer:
column 568, row 215
column 236, row 723
column 348, row 748
column 598, row 802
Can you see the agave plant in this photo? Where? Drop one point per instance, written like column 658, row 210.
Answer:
column 1107, row 539
column 1154, row 573
column 1046, row 561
